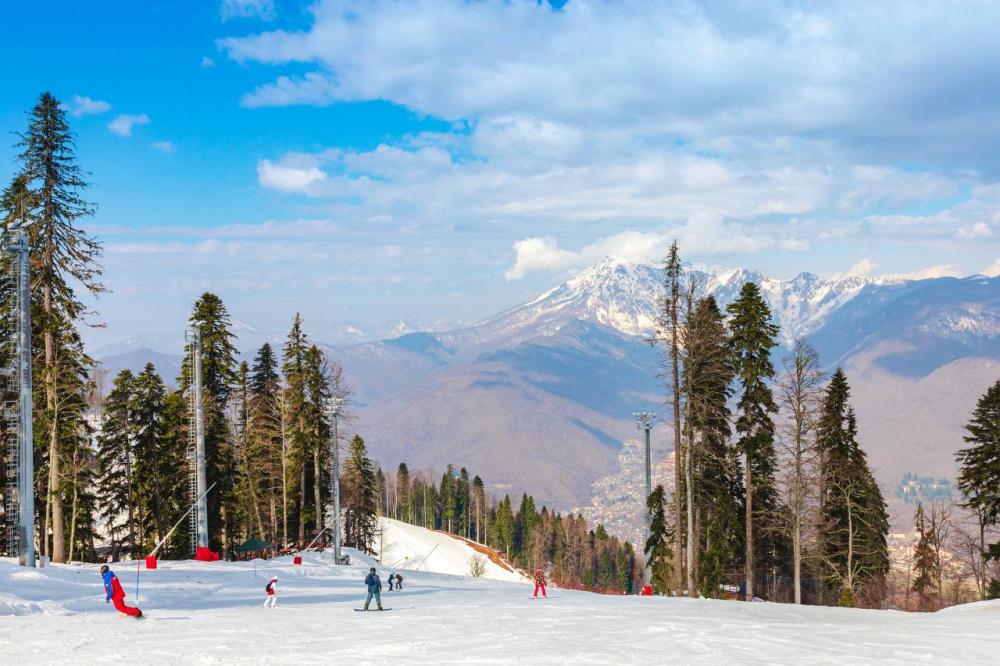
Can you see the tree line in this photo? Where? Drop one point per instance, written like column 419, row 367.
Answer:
column 773, row 496
column 573, row 553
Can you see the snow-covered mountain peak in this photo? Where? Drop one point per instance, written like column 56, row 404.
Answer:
column 623, row 295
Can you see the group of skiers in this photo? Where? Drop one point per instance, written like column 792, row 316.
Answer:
column 116, row 595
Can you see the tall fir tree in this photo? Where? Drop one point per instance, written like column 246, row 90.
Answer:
column 359, row 501
column 218, row 365
column 711, row 466
column 264, row 438
column 854, row 520
column 294, row 369
column 752, row 336
column 115, row 451
column 159, row 459
column 63, row 259
column 660, row 542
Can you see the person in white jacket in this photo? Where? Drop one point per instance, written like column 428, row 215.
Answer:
column 272, row 593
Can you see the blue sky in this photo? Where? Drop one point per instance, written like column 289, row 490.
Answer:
column 384, row 160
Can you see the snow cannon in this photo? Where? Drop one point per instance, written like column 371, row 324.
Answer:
column 206, row 554
column 151, row 562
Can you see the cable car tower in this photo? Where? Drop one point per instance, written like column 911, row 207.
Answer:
column 16, row 390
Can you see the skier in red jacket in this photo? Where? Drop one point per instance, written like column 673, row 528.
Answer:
column 540, row 583
column 115, row 593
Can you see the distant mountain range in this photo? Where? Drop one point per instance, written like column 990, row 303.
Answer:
column 539, row 397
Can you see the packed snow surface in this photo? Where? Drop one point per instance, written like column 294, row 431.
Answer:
column 211, row 613
column 408, row 547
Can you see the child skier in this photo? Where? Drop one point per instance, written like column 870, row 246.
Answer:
column 540, row 584
column 392, row 579
column 115, row 593
column 272, row 593
column 374, row 584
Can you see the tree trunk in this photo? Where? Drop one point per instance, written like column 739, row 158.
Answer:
column 284, row 480
column 749, row 532
column 52, row 407
column 689, row 495
column 678, row 573
column 302, row 503
column 317, row 492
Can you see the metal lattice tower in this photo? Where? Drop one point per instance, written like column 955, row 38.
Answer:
column 16, row 388
column 192, row 450
column 197, row 477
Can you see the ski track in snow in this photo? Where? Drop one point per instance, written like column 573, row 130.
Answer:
column 210, row 613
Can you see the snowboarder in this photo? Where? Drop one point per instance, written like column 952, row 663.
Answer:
column 540, row 584
column 374, row 584
column 272, row 593
column 115, row 593
column 399, row 582
column 392, row 579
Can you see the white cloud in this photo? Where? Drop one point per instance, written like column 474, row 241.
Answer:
column 262, row 9
column 290, row 175
column 123, row 123
column 700, row 235
column 85, row 106
column 539, row 254
column 702, row 71
column 937, row 271
column 164, row 146
column 207, row 62
column 976, row 230
column 993, row 270
column 862, row 268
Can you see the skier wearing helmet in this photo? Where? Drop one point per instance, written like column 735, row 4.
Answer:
column 115, row 593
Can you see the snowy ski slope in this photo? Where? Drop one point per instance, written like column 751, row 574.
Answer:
column 211, row 613
column 408, row 547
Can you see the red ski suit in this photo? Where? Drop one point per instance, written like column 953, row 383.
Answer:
column 540, row 584
column 117, row 595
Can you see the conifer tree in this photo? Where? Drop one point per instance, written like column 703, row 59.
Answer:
column 359, row 501
column 264, row 437
column 658, row 545
column 979, row 476
column 711, row 476
column 64, row 258
column 448, row 498
column 405, row 511
column 752, row 336
column 159, row 460
column 218, row 366
column 854, row 522
column 295, row 371
column 115, row 446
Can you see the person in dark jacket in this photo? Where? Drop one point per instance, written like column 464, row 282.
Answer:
column 392, row 578
column 374, row 584
column 115, row 593
column 399, row 582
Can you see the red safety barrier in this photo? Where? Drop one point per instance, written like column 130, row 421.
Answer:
column 647, row 591
column 297, row 559
column 151, row 562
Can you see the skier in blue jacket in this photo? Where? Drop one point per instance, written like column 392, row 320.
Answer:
column 374, row 584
